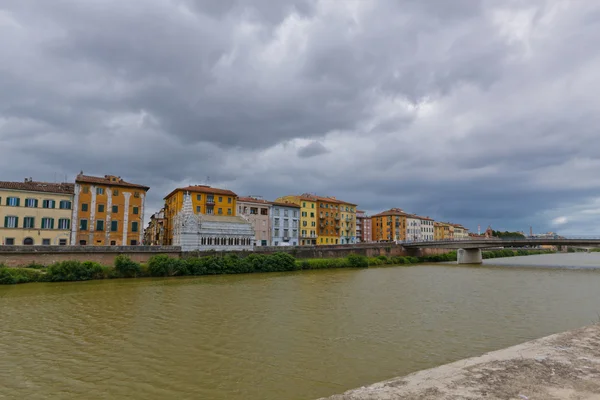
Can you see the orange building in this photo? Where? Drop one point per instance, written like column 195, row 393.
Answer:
column 205, row 200
column 108, row 211
column 389, row 225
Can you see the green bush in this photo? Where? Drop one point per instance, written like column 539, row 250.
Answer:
column 163, row 265
column 12, row 276
column 74, row 271
column 125, row 267
column 356, row 261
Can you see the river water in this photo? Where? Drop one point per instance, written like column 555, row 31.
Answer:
column 276, row 336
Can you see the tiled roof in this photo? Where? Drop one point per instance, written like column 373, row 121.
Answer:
column 415, row 216
column 46, row 187
column 108, row 181
column 333, row 200
column 281, row 204
column 253, row 200
column 203, row 189
column 391, row 212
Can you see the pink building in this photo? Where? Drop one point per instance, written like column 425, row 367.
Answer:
column 363, row 227
column 258, row 212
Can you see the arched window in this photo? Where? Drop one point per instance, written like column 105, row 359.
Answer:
column 28, row 241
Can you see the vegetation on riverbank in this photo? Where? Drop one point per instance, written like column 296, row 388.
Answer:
column 164, row 266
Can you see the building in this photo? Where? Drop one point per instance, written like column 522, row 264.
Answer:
column 154, row 235
column 285, row 223
column 363, row 227
column 35, row 213
column 447, row 230
column 347, row 232
column 107, row 211
column 195, row 231
column 389, row 225
column 258, row 212
column 308, row 216
column 206, row 200
column 427, row 229
column 438, row 231
column 460, row 232
column 413, row 228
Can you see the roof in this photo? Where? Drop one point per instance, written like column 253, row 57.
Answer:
column 253, row 200
column 109, row 180
column 203, row 189
column 283, row 204
column 391, row 212
column 314, row 197
column 230, row 219
column 419, row 217
column 46, row 187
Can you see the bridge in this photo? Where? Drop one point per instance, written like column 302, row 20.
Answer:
column 469, row 250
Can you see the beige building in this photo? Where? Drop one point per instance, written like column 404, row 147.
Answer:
column 258, row 212
column 35, row 213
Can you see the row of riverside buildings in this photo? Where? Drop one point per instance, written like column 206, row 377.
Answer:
column 108, row 211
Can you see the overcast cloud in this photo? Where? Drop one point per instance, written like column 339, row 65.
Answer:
column 474, row 112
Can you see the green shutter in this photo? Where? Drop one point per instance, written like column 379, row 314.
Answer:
column 18, row 201
column 16, row 222
column 51, row 223
column 36, row 203
column 6, row 222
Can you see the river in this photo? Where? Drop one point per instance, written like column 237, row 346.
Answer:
column 276, row 336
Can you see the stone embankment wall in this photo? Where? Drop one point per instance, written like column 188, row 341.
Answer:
column 15, row 256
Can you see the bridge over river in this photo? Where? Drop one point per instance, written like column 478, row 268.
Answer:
column 469, row 250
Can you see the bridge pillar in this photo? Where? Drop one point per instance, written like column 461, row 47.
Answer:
column 469, row 256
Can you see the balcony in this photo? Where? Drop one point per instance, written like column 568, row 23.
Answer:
column 337, row 218
column 210, row 201
column 337, row 227
column 322, row 216
column 305, row 235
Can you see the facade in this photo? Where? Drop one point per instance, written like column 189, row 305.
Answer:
column 206, row 200
column 438, row 231
column 285, row 223
column 348, row 223
column 427, row 229
column 460, row 232
column 154, row 235
column 35, row 213
column 107, row 211
column 363, row 227
column 389, row 225
column 258, row 212
column 308, row 216
column 200, row 232
column 413, row 228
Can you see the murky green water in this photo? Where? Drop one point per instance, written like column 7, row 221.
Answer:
column 273, row 336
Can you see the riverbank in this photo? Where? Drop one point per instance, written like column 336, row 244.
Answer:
column 560, row 366
column 165, row 266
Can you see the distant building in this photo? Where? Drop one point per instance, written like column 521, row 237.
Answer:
column 427, row 228
column 460, row 232
column 363, row 227
column 196, row 231
column 35, row 213
column 308, row 216
column 154, row 235
column 285, row 223
column 389, row 225
column 205, row 200
column 108, row 211
column 258, row 212
column 438, row 231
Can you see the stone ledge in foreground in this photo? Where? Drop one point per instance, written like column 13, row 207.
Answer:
column 561, row 366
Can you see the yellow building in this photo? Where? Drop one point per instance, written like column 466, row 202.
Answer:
column 460, row 232
column 389, row 225
column 348, row 223
column 308, row 216
column 35, row 213
column 438, row 231
column 108, row 211
column 205, row 200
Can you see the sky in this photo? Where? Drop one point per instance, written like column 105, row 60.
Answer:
column 474, row 112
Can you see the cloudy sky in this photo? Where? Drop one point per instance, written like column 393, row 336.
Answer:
column 479, row 112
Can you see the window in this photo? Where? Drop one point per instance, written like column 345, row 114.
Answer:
column 65, row 205
column 198, row 209
column 198, row 197
column 113, row 242
column 303, row 204
column 285, row 213
column 136, row 195
column 64, row 223
column 312, row 214
column 220, row 211
column 31, row 203
column 229, row 199
column 114, row 226
column 100, row 208
column 115, row 209
column 134, row 226
column 229, row 211
column 276, row 233
column 62, row 242
column 48, row 204
column 84, row 207
column 304, row 223
column 100, row 225
column 209, row 210
column 295, row 214
column 28, row 241
column 13, row 201
column 220, row 199
column 136, row 210
column 9, row 241
column 264, row 211
column 45, row 242
column 86, row 189
column 29, row 222
column 276, row 223
column 83, row 225
column 133, row 243
column 11, row 222
column 47, row 223
column 99, row 191
column 115, row 192
column 253, row 211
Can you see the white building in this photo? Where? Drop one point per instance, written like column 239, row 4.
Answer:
column 210, row 232
column 426, row 229
column 285, row 220
column 418, row 229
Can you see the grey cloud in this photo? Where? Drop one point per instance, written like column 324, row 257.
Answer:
column 312, row 149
